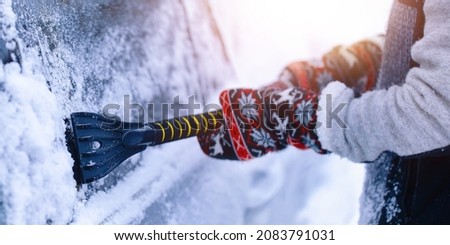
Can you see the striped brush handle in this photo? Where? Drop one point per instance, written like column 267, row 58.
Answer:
column 165, row 131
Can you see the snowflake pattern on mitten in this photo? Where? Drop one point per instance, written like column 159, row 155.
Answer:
column 261, row 121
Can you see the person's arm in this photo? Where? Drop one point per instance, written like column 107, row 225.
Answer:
column 408, row 119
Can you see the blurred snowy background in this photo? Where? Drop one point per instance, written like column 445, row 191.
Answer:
column 79, row 56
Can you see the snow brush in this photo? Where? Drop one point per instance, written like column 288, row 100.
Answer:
column 99, row 144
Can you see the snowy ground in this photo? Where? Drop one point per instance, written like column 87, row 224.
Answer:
column 176, row 184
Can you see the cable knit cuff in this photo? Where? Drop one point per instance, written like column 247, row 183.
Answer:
column 333, row 104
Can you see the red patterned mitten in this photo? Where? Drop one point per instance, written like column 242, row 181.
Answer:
column 261, row 121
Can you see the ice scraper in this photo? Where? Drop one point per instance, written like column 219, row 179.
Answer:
column 99, row 144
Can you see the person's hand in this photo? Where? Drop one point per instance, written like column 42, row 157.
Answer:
column 261, row 121
column 284, row 113
column 357, row 66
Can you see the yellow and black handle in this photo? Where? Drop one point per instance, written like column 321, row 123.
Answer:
column 165, row 131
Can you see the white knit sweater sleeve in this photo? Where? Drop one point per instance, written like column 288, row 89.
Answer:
column 408, row 119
